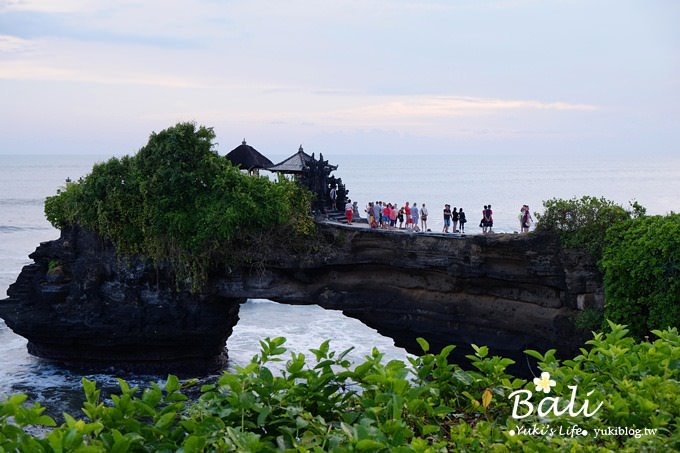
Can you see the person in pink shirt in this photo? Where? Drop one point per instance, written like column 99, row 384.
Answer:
column 394, row 213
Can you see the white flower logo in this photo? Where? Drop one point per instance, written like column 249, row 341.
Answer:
column 544, row 383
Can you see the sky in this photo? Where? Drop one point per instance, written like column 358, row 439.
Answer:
column 354, row 76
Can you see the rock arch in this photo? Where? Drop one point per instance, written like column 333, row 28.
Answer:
column 78, row 303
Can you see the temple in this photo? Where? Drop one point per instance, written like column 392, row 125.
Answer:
column 303, row 168
column 248, row 158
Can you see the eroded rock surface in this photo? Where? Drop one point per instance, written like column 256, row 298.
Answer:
column 80, row 303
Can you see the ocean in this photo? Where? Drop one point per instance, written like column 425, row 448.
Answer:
column 462, row 180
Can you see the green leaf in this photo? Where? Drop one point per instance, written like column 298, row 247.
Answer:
column 424, row 345
column 480, row 351
column 369, row 445
column 172, row 384
column 165, row 421
column 535, row 354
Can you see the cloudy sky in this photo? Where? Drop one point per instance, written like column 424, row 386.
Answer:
column 390, row 76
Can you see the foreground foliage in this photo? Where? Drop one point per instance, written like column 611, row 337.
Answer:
column 178, row 201
column 425, row 405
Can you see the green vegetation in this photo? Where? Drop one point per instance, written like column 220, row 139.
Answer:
column 642, row 273
column 178, row 201
column 638, row 254
column 583, row 222
column 425, row 405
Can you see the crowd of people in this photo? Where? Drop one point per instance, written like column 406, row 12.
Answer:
column 388, row 215
column 411, row 217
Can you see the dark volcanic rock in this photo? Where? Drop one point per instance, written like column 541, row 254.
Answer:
column 96, row 310
column 509, row 292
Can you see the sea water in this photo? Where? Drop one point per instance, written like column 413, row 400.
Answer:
column 467, row 181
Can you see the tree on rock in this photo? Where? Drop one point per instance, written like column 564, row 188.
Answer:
column 178, row 201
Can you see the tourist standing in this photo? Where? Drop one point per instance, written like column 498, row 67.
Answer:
column 520, row 218
column 447, row 218
column 334, row 197
column 393, row 215
column 349, row 211
column 387, row 212
column 526, row 219
column 454, row 220
column 482, row 223
column 377, row 212
column 462, row 220
column 415, row 215
column 409, row 219
column 400, row 217
column 488, row 219
column 423, row 217
column 371, row 216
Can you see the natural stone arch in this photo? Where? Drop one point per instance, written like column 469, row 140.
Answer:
column 509, row 292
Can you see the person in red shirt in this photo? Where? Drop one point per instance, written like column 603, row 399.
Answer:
column 409, row 219
column 387, row 213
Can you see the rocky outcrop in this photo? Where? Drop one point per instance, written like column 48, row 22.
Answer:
column 509, row 292
column 80, row 304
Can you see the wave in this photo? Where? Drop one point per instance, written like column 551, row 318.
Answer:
column 22, row 201
column 16, row 229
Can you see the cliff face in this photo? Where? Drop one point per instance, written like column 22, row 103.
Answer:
column 509, row 292
column 79, row 304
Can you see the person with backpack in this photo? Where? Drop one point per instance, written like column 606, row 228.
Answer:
column 461, row 220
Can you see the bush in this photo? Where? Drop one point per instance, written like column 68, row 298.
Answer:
column 642, row 273
column 626, row 397
column 583, row 222
column 590, row 319
column 178, row 201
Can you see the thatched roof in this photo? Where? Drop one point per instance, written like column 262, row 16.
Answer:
column 294, row 164
column 248, row 158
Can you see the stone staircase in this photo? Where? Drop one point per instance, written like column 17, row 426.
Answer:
column 339, row 216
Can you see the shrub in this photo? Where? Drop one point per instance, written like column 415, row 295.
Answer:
column 642, row 273
column 590, row 319
column 178, row 201
column 583, row 222
column 424, row 405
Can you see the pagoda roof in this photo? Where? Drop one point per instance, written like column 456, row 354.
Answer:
column 294, row 164
column 248, row 158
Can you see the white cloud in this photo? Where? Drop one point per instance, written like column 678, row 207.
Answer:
column 432, row 67
column 447, row 106
column 48, row 6
column 13, row 44
column 29, row 70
